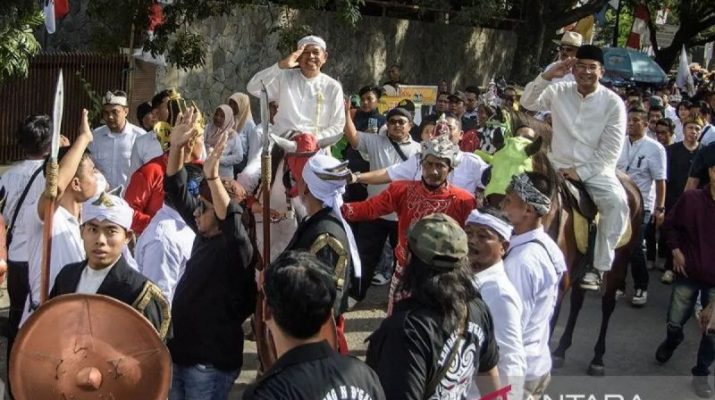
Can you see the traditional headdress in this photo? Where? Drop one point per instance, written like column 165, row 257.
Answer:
column 525, row 189
column 441, row 147
column 326, row 178
column 499, row 225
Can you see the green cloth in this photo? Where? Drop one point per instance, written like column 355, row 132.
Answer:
column 338, row 149
column 508, row 161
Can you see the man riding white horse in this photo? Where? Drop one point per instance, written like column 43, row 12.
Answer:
column 312, row 110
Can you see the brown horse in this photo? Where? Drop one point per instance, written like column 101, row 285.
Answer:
column 559, row 224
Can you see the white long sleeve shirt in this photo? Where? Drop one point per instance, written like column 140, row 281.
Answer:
column 251, row 174
column 467, row 175
column 504, row 304
column 112, row 152
column 588, row 130
column 314, row 105
column 146, row 147
column 535, row 272
column 14, row 181
column 164, row 248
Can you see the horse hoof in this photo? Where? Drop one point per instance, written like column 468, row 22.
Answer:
column 596, row 370
column 557, row 361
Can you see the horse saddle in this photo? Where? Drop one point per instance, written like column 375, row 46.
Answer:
column 585, row 215
column 579, row 199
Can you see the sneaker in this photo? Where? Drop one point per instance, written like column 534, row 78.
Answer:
column 664, row 352
column 701, row 386
column 380, row 280
column 667, row 277
column 640, row 297
column 591, row 280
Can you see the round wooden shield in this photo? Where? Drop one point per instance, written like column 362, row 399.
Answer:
column 80, row 347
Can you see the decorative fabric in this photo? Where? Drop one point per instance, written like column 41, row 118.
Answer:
column 314, row 40
column 501, row 227
column 326, row 179
column 525, row 189
column 441, row 147
column 112, row 99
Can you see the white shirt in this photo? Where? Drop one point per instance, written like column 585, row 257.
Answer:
column 382, row 155
column 91, row 279
column 504, row 303
column 67, row 248
column 670, row 112
column 112, row 152
column 467, row 175
column 535, row 274
column 251, row 174
column 678, row 131
column 566, row 78
column 146, row 147
column 14, row 181
column 164, row 248
column 313, row 105
column 645, row 162
column 708, row 135
column 588, row 131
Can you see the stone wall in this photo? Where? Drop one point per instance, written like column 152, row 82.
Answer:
column 244, row 43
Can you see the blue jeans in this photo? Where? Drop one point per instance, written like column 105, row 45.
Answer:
column 201, row 382
column 682, row 303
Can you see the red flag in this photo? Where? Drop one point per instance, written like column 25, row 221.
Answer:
column 156, row 16
column 639, row 29
column 62, row 8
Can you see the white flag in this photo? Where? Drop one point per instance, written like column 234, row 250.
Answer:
column 708, row 53
column 685, row 79
column 49, row 11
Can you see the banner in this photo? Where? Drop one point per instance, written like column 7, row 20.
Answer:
column 421, row 95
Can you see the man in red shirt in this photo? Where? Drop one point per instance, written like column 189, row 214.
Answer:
column 412, row 200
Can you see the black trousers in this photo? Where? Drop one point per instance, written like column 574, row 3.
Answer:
column 371, row 236
column 18, row 288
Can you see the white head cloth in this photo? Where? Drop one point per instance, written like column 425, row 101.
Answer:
column 111, row 99
column 314, row 40
column 500, row 226
column 330, row 192
column 113, row 209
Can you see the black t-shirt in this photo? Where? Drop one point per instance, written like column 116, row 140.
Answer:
column 411, row 346
column 680, row 160
column 701, row 161
column 317, row 372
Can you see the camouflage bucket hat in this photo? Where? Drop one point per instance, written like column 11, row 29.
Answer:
column 438, row 241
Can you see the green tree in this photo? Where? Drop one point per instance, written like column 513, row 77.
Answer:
column 17, row 42
column 696, row 20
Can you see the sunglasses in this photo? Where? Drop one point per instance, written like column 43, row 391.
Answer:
column 397, row 121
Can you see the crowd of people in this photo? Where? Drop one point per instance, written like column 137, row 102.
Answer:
column 440, row 202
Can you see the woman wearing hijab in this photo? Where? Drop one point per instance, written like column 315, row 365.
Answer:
column 245, row 128
column 223, row 121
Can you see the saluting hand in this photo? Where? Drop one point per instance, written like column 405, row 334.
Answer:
column 214, row 158
column 292, row 60
column 560, row 69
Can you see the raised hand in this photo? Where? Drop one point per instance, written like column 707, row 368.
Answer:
column 84, row 129
column 214, row 158
column 184, row 128
column 560, row 69
column 292, row 60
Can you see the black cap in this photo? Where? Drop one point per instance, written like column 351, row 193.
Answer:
column 458, row 96
column 590, row 52
column 397, row 111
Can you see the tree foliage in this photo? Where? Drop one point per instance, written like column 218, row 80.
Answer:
column 17, row 42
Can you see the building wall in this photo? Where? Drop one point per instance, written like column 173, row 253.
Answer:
column 244, row 43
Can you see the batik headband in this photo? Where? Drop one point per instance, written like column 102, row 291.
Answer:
column 525, row 189
column 115, row 100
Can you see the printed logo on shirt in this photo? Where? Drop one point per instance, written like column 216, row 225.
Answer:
column 345, row 392
column 456, row 381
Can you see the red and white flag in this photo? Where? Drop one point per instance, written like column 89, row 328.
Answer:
column 639, row 30
column 54, row 11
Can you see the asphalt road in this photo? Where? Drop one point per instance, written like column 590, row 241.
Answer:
column 631, row 370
